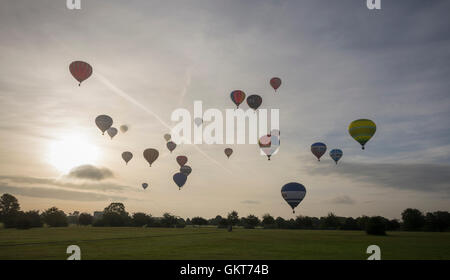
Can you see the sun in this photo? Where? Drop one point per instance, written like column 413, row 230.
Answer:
column 71, row 151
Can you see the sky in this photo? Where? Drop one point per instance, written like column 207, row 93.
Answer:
column 338, row 62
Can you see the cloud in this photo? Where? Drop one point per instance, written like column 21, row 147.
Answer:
column 90, row 172
column 343, row 200
column 417, row 177
column 45, row 182
column 43, row 192
column 250, row 202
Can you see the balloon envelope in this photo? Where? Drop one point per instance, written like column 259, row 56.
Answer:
column 80, row 70
column 180, row 179
column 362, row 130
column 182, row 160
column 293, row 193
column 237, row 96
column 186, row 169
column 151, row 155
column 254, row 101
column 275, row 83
column 318, row 149
column 269, row 144
column 275, row 132
column 171, row 146
column 336, row 154
column 228, row 152
column 167, row 137
column 127, row 156
column 103, row 122
column 112, row 131
column 124, row 128
column 144, row 185
column 198, row 121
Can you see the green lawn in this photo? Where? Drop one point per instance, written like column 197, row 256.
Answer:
column 211, row 243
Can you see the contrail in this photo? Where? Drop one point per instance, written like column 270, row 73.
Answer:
column 130, row 99
column 187, row 83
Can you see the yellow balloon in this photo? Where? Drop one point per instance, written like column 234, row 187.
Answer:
column 362, row 130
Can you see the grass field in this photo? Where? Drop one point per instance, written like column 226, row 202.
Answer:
column 212, row 243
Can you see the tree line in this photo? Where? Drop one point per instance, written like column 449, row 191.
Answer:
column 115, row 215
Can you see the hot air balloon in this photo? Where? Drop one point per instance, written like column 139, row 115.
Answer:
column 318, row 149
column 124, row 128
column 228, row 152
column 276, row 132
column 127, row 156
column 144, row 185
column 237, row 96
column 186, row 169
column 180, row 179
column 103, row 122
column 182, row 160
column 254, row 101
column 171, row 146
column 293, row 193
column 268, row 144
column 167, row 137
column 362, row 130
column 151, row 155
column 336, row 154
column 80, row 70
column 198, row 121
column 275, row 83
column 112, row 131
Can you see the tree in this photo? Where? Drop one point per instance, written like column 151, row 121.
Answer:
column 115, row 207
column 376, row 226
column 303, row 222
column 9, row 210
column 437, row 221
column 72, row 218
column 54, row 217
column 281, row 223
column 350, row 224
column 251, row 221
column 29, row 219
column 267, row 221
column 223, row 223
column 168, row 220
column 85, row 219
column 393, row 225
column 233, row 219
column 199, row 221
column 413, row 219
column 181, row 223
column 140, row 219
column 115, row 215
column 330, row 222
column 362, row 222
column 215, row 221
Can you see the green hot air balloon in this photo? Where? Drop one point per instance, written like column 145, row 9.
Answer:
column 362, row 130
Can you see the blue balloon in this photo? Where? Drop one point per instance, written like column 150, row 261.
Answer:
column 336, row 154
column 179, row 179
column 293, row 193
